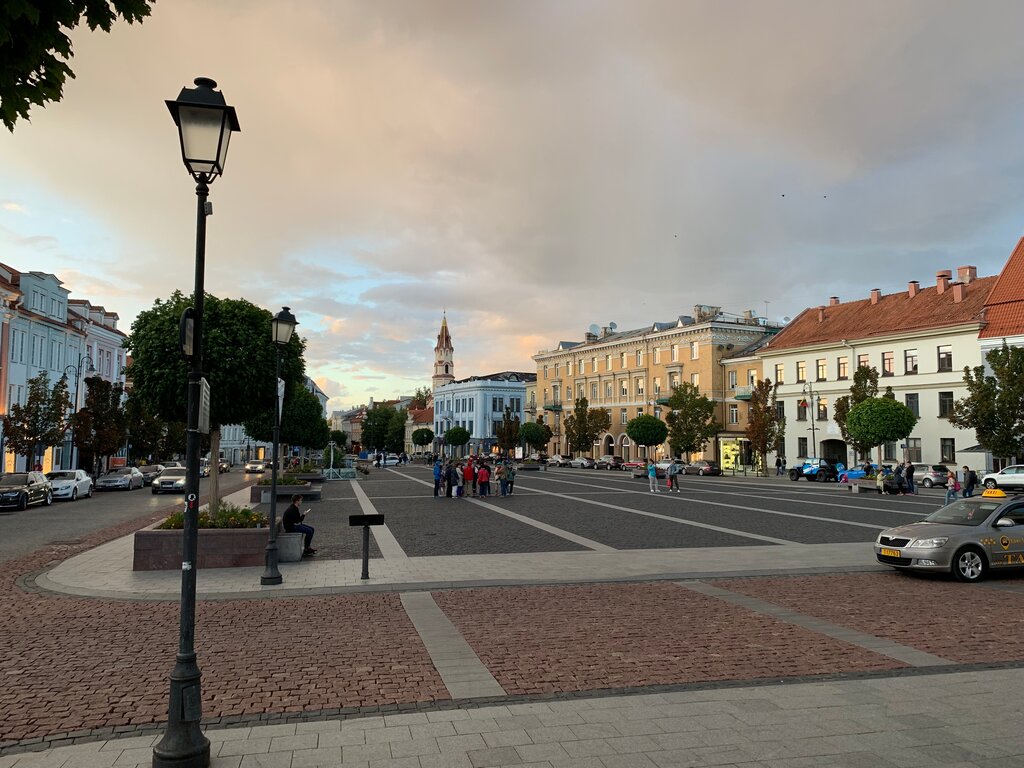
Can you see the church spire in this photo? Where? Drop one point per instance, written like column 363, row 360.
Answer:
column 444, row 365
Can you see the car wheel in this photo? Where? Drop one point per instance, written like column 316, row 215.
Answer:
column 89, row 494
column 969, row 565
column 74, row 494
column 927, row 482
column 794, row 475
column 700, row 472
column 49, row 499
column 23, row 502
column 990, row 483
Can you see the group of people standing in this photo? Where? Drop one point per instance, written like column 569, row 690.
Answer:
column 472, row 477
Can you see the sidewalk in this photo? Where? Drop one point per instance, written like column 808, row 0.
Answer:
column 926, row 720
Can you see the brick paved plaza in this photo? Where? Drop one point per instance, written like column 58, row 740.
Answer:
column 511, row 622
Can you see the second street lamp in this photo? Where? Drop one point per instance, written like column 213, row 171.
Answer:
column 82, row 360
column 281, row 328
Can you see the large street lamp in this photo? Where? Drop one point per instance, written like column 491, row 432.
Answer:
column 811, row 403
column 281, row 328
column 205, row 123
column 77, row 368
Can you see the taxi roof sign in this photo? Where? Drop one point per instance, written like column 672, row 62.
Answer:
column 993, row 493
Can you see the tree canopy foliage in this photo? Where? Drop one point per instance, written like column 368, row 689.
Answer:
column 420, row 398
column 101, row 425
column 879, row 420
column 422, row 436
column 647, row 430
column 507, row 432
column 40, row 423
column 584, row 424
column 764, row 425
column 457, row 436
column 865, row 385
column 535, row 435
column 691, row 420
column 994, row 406
column 35, row 47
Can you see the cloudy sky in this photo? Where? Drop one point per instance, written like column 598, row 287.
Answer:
column 532, row 167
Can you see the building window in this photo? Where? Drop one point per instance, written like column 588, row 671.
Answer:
column 471, row 401
column 945, row 358
column 752, row 376
column 863, row 361
column 673, row 381
column 780, row 373
column 657, row 413
column 888, row 363
column 947, row 449
column 657, row 385
column 623, row 388
column 568, row 367
column 801, row 372
column 623, row 416
column 622, row 360
column 556, row 370
column 593, row 365
column 889, row 452
column 822, row 409
column 607, row 390
column 945, row 405
column 913, row 449
column 801, row 410
column 545, row 371
column 607, row 362
column 694, row 350
column 843, row 368
column 734, row 413
column 639, row 358
column 913, row 402
column 695, row 379
column 801, row 446
column 593, row 391
column 639, row 387
column 819, row 369
column 732, row 379
column 657, row 355
column 780, row 409
column 639, row 412
column 910, row 361
column 675, row 353
column 579, row 391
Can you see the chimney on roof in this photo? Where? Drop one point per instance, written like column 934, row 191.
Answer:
column 833, row 301
column 942, row 278
column 876, row 295
column 913, row 288
column 821, row 314
column 605, row 331
column 966, row 274
column 589, row 337
column 959, row 292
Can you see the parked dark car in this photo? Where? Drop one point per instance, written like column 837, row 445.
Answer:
column 21, row 489
column 609, row 462
column 149, row 472
column 702, row 467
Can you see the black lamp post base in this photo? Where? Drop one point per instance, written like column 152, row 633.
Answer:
column 269, row 579
column 175, row 758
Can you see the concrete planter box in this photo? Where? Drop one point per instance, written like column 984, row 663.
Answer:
column 260, row 494
column 307, row 477
column 218, row 548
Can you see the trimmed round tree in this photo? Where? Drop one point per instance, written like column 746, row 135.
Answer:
column 457, row 436
column 647, row 430
column 422, row 436
column 879, row 420
column 535, row 435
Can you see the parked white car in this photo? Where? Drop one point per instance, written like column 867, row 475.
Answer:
column 121, row 479
column 70, row 484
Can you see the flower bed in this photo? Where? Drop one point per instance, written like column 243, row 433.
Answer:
column 233, row 537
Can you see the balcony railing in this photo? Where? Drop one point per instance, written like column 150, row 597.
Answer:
column 744, row 392
column 552, row 404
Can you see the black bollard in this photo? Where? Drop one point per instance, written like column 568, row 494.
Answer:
column 366, row 552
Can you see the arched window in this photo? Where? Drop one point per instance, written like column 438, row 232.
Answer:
column 446, row 369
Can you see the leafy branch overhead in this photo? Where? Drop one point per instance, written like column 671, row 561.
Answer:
column 35, row 47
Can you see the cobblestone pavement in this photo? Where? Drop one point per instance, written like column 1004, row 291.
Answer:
column 85, row 668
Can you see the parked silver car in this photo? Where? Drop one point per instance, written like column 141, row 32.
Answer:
column 121, row 479
column 171, row 480
column 927, row 475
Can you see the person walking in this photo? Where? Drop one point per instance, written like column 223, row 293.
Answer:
column 901, row 481
column 483, row 481
column 880, row 480
column 970, row 480
column 952, row 487
column 476, row 477
column 652, row 476
column 460, row 480
column 500, row 474
column 449, row 480
column 780, row 466
column 511, row 475
column 908, row 473
column 673, row 475
column 437, row 478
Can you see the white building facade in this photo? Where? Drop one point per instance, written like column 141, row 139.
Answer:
column 478, row 405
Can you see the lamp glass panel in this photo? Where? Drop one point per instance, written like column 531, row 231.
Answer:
column 225, row 137
column 281, row 331
column 200, row 137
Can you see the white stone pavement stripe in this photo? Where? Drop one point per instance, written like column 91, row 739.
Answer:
column 904, row 653
column 723, row 504
column 581, row 540
column 389, row 547
column 461, row 670
column 668, row 518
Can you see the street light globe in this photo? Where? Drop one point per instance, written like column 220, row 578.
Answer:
column 205, row 123
column 282, row 325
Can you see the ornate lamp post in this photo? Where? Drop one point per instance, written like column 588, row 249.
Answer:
column 74, row 401
column 205, row 124
column 281, row 328
column 812, row 406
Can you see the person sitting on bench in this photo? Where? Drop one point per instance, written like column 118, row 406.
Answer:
column 292, row 522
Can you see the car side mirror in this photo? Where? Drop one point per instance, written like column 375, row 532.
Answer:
column 1005, row 522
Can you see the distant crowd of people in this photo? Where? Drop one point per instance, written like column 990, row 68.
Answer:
column 461, row 478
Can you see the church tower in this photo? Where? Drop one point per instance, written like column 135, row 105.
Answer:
column 444, row 366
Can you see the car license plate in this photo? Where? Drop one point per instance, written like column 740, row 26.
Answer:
column 891, row 552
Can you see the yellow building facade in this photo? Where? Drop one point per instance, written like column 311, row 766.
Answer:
column 631, row 373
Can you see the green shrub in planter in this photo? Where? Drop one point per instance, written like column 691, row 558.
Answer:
column 281, row 480
column 228, row 516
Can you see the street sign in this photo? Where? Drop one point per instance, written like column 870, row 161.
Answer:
column 204, row 406
column 365, row 520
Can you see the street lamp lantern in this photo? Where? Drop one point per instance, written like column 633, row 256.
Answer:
column 205, row 123
column 282, row 326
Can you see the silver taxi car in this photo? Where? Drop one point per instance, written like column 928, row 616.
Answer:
column 966, row 538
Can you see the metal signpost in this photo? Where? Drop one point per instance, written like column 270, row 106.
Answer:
column 366, row 521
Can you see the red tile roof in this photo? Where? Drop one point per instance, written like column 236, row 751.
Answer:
column 894, row 313
column 422, row 415
column 1004, row 309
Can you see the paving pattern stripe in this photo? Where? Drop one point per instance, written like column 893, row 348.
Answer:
column 388, row 545
column 879, row 645
column 461, row 670
column 669, row 518
column 730, row 506
column 581, row 540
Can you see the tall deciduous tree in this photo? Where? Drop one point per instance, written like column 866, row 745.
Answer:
column 420, row 398
column 691, row 420
column 145, row 431
column 507, row 432
column 339, row 437
column 879, row 420
column 395, row 442
column 101, row 425
column 865, row 385
column 376, row 426
column 35, row 47
column 764, row 425
column 994, row 406
column 646, row 430
column 584, row 424
column 535, row 435
column 40, row 423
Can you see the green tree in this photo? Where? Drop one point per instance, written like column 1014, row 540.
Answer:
column 395, row 442
column 303, row 422
column 40, row 423
column 101, row 425
column 994, row 406
column 35, row 47
column 172, row 443
column 691, row 420
column 507, row 432
column 535, row 435
column 145, row 430
column 376, row 425
column 646, row 430
column 865, row 385
column 764, row 425
column 239, row 361
column 583, row 425
column 457, row 436
column 339, row 437
column 879, row 420
column 420, row 398
column 422, row 436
